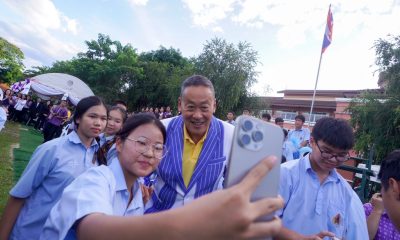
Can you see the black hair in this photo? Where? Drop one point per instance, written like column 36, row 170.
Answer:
column 197, row 80
column 300, row 117
column 278, row 119
column 121, row 110
column 285, row 132
column 119, row 101
column 84, row 104
column 136, row 121
column 101, row 154
column 335, row 132
column 390, row 168
column 267, row 116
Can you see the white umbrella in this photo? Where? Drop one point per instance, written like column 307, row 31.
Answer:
column 60, row 84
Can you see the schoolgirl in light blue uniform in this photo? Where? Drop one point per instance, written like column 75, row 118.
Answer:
column 52, row 167
column 113, row 190
column 107, row 151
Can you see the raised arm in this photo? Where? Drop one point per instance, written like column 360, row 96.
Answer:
column 224, row 214
column 375, row 215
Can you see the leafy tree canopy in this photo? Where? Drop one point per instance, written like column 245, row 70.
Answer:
column 11, row 66
column 376, row 116
column 115, row 71
column 231, row 69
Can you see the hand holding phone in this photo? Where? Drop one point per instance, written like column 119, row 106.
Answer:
column 253, row 140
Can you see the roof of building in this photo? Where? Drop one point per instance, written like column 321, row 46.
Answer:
column 280, row 102
column 329, row 93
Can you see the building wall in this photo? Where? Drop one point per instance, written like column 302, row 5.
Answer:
column 317, row 98
column 341, row 110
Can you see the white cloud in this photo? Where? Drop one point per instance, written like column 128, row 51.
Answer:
column 42, row 14
column 37, row 30
column 71, row 25
column 296, row 19
column 208, row 12
column 218, row 30
column 138, row 2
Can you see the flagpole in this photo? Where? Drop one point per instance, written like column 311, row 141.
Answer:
column 326, row 41
column 315, row 89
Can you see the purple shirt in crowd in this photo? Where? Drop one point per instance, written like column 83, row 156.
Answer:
column 61, row 113
column 386, row 229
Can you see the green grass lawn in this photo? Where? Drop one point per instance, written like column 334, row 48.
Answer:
column 8, row 136
column 29, row 140
column 12, row 167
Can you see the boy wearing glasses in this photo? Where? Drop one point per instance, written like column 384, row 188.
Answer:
column 318, row 201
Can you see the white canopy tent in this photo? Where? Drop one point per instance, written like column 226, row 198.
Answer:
column 58, row 84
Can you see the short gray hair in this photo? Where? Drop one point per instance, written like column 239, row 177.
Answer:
column 197, row 80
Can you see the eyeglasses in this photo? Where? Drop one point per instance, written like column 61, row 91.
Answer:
column 328, row 155
column 142, row 145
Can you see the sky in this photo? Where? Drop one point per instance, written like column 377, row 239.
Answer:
column 287, row 34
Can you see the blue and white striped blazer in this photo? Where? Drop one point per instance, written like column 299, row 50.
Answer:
column 170, row 190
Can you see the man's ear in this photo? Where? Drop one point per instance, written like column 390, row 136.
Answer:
column 118, row 144
column 215, row 105
column 394, row 186
column 179, row 104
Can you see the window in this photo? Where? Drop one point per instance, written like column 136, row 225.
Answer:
column 287, row 116
column 315, row 116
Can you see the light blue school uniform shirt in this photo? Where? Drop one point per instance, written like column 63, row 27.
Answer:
column 311, row 207
column 103, row 139
column 112, row 154
column 52, row 167
column 3, row 117
column 288, row 149
column 298, row 136
column 99, row 190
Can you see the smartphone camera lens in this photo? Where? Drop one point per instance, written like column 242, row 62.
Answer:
column 245, row 140
column 257, row 136
column 247, row 125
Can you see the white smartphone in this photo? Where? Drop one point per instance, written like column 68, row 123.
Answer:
column 253, row 140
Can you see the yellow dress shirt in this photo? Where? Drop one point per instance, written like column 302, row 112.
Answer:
column 191, row 152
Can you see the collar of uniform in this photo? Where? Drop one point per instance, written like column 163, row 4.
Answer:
column 74, row 138
column 299, row 130
column 116, row 168
column 333, row 175
column 187, row 137
column 120, row 184
column 108, row 138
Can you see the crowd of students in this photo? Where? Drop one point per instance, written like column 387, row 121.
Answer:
column 123, row 177
column 296, row 141
column 44, row 116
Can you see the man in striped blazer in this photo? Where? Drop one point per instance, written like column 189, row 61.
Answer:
column 198, row 146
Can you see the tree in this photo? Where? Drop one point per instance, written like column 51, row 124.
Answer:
column 171, row 56
column 115, row 71
column 376, row 116
column 11, row 66
column 231, row 69
column 163, row 72
column 109, row 68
